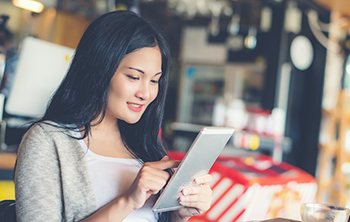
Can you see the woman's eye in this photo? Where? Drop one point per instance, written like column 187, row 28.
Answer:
column 132, row 77
column 154, row 81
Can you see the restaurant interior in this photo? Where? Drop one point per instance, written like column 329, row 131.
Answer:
column 278, row 71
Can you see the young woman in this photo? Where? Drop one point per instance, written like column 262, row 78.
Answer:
column 96, row 155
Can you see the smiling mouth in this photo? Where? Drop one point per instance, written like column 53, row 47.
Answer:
column 134, row 105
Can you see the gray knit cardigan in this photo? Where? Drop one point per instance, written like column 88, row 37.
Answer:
column 52, row 180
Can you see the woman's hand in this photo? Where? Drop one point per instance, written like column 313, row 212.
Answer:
column 196, row 199
column 150, row 179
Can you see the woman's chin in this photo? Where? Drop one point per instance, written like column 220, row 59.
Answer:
column 132, row 121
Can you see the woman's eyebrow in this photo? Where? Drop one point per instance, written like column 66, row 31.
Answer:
column 139, row 70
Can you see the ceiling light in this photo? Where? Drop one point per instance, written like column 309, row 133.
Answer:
column 30, row 5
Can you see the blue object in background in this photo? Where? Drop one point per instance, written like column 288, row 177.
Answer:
column 191, row 72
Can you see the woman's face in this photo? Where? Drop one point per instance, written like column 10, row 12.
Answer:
column 134, row 85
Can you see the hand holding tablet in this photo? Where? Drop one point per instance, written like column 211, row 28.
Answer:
column 199, row 159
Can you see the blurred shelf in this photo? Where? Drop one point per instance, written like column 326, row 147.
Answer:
column 205, row 97
column 243, row 139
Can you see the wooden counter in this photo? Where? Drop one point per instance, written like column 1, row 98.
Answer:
column 7, row 161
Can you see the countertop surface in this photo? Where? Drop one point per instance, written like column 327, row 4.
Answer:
column 7, row 161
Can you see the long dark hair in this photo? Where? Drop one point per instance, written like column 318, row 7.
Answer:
column 82, row 95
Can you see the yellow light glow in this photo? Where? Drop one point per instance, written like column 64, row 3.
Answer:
column 30, row 5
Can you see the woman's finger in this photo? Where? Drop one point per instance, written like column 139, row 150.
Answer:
column 202, row 189
column 195, row 198
column 200, row 206
column 149, row 171
column 163, row 164
column 153, row 184
column 151, row 180
column 200, row 201
column 205, row 179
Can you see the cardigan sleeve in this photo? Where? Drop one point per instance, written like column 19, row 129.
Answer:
column 37, row 178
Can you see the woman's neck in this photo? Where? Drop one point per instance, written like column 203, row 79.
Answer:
column 108, row 124
column 105, row 139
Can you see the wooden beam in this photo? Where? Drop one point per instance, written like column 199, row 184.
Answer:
column 342, row 6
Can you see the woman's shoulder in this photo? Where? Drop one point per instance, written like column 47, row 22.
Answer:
column 49, row 128
column 43, row 135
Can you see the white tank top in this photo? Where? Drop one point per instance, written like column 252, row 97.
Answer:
column 113, row 176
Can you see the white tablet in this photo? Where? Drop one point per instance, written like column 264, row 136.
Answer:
column 202, row 154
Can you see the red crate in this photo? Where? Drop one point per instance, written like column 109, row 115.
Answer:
column 251, row 187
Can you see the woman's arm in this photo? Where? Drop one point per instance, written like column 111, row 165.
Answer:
column 37, row 179
column 115, row 210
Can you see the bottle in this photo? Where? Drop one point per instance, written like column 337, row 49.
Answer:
column 219, row 112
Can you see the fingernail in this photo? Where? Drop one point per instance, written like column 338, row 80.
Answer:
column 185, row 192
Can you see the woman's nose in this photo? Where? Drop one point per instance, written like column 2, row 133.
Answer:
column 143, row 92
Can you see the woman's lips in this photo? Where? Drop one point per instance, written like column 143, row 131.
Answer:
column 135, row 107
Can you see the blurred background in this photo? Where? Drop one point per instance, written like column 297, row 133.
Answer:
column 276, row 70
